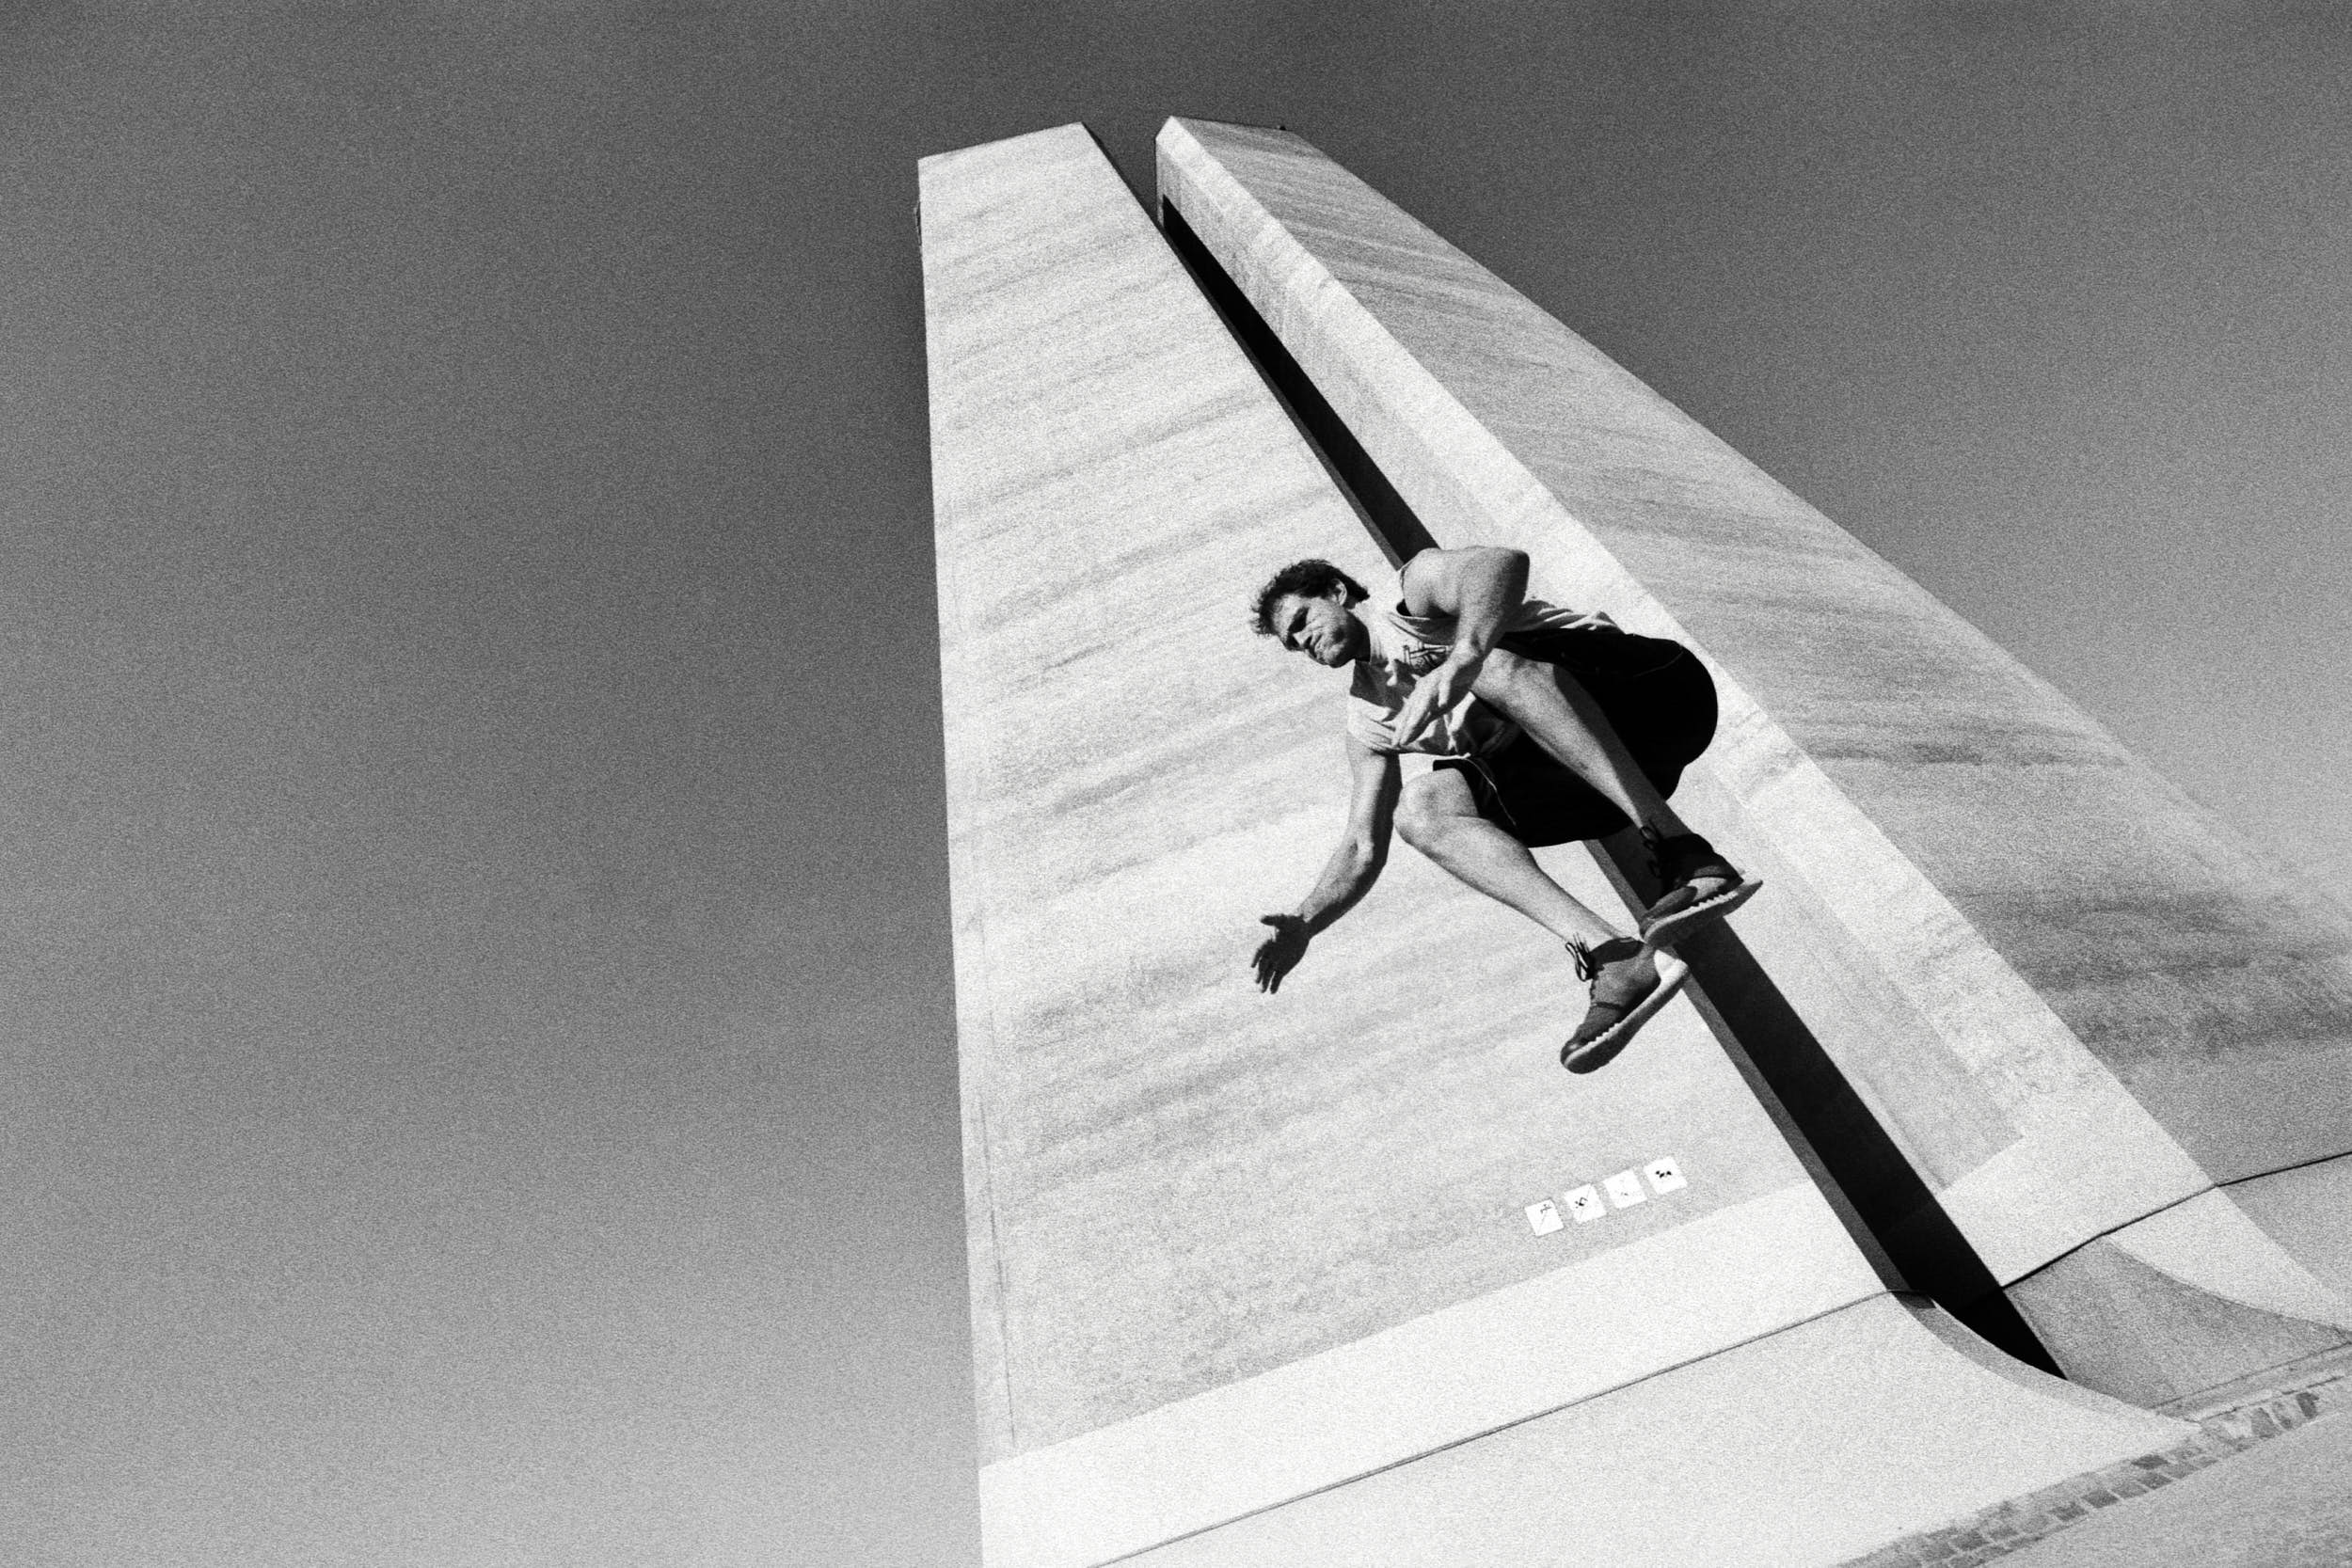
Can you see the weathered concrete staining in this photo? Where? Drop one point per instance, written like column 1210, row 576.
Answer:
column 1231, row 1251
column 2071, row 998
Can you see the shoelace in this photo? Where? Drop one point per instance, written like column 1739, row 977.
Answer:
column 1588, row 968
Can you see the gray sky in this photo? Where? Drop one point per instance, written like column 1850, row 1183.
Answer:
column 480, row 1082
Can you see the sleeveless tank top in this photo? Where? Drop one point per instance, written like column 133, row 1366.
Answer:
column 1406, row 647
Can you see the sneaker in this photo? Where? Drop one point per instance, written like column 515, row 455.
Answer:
column 1701, row 887
column 1630, row 981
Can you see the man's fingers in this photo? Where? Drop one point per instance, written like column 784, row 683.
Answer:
column 1276, row 955
column 1414, row 717
column 1430, row 697
column 1270, row 963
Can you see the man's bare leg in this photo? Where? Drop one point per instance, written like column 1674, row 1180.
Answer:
column 1559, row 714
column 1439, row 817
column 1553, row 708
column 1629, row 981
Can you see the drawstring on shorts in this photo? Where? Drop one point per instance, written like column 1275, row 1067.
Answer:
column 1494, row 789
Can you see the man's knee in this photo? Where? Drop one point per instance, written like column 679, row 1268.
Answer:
column 1429, row 804
column 1506, row 675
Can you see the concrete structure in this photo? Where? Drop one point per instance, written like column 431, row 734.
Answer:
column 2055, row 1029
column 1352, row 1273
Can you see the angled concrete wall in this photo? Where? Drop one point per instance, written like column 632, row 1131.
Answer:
column 1239, row 1261
column 2081, row 1010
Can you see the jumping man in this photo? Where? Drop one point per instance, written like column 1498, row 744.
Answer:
column 1546, row 725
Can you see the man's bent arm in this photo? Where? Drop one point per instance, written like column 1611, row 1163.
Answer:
column 1481, row 586
column 1374, row 783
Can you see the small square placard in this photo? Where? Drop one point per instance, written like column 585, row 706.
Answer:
column 1625, row 1189
column 1585, row 1205
column 1544, row 1217
column 1666, row 1174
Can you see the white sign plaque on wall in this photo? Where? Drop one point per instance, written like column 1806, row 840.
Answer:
column 1585, row 1205
column 1625, row 1189
column 1544, row 1217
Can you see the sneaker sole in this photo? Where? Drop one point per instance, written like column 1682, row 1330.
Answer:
column 1599, row 1053
column 1680, row 924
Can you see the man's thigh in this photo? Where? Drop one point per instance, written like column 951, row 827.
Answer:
column 1663, row 713
column 1527, row 793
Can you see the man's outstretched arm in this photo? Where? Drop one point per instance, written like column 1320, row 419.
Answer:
column 1374, row 784
column 1482, row 586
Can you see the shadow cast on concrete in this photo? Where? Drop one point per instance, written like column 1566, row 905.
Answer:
column 1860, row 1167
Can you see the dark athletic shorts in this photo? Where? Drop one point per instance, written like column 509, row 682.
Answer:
column 1657, row 694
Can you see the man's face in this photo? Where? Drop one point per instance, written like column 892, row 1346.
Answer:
column 1320, row 627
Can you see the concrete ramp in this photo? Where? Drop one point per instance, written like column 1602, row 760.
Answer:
column 1353, row 1267
column 2045, row 1015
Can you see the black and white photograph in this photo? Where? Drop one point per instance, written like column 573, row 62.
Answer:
column 1192, row 786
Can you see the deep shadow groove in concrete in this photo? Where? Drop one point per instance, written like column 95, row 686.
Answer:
column 1752, row 1017
column 1871, row 1182
column 1394, row 525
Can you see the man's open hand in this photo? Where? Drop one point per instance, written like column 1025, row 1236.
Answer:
column 1280, row 953
column 1432, row 695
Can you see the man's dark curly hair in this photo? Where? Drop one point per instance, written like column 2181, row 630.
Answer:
column 1311, row 580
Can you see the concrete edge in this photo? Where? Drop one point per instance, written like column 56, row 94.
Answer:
column 1446, row 1378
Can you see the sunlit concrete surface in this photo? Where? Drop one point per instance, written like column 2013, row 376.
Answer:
column 2074, row 1000
column 1808, row 1447
column 1231, row 1251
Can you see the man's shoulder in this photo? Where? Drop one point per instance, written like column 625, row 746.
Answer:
column 1415, row 579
